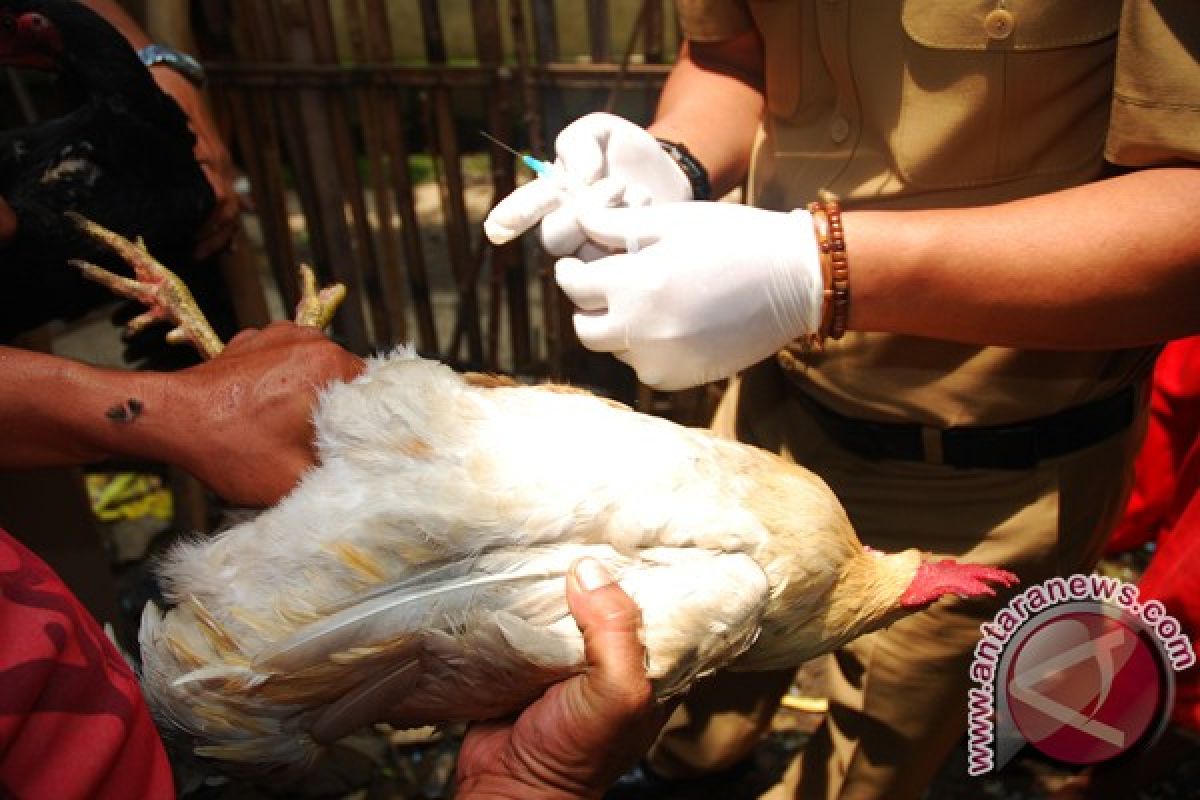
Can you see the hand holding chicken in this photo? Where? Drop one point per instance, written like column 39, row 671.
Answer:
column 417, row 572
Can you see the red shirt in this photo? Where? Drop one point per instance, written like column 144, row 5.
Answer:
column 1165, row 505
column 73, row 723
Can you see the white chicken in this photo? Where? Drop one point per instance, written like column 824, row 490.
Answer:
column 417, row 573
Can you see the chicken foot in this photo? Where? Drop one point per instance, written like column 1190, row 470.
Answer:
column 316, row 307
column 168, row 298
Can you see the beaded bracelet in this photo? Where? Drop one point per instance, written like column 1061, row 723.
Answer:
column 835, row 268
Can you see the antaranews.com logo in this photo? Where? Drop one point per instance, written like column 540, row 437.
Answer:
column 1078, row 667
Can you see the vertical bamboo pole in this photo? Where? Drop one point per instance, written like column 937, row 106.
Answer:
column 361, row 274
column 655, row 36
column 266, row 23
column 509, row 279
column 599, row 31
column 390, row 322
column 320, row 165
column 544, row 116
column 454, row 208
column 379, row 43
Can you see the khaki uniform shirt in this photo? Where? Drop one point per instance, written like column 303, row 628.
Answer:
column 941, row 103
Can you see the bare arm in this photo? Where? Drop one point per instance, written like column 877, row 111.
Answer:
column 716, row 81
column 54, row 411
column 1115, row 263
column 240, row 423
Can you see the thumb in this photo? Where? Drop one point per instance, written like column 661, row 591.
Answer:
column 615, row 683
column 581, row 146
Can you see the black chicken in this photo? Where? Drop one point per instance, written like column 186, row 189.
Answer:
column 122, row 157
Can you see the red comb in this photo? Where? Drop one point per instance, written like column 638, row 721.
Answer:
column 949, row 577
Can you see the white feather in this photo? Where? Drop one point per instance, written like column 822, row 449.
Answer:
column 436, row 531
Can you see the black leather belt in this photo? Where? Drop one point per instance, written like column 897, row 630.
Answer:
column 1018, row 445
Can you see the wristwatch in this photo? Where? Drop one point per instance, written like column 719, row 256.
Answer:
column 693, row 170
column 185, row 65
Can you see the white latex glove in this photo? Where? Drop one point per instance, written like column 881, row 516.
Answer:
column 713, row 288
column 603, row 160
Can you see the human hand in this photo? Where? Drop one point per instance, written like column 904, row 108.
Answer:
column 242, row 422
column 603, row 160
column 213, row 157
column 583, row 732
column 713, row 288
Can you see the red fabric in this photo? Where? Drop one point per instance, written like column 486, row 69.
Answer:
column 1166, row 505
column 73, row 723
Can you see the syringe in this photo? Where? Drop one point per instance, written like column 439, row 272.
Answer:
column 542, row 169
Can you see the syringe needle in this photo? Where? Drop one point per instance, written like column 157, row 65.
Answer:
column 536, row 166
column 497, row 141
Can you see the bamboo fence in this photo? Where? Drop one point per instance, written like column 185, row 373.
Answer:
column 327, row 116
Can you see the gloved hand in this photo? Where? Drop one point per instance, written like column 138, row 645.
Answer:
column 603, row 160
column 713, row 288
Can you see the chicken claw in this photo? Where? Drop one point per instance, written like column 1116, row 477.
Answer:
column 157, row 287
column 316, row 308
column 168, row 298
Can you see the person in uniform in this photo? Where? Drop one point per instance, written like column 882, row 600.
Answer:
column 961, row 139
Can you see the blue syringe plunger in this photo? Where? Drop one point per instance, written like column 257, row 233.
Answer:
column 539, row 168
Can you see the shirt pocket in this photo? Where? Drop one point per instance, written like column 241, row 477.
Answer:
column 999, row 89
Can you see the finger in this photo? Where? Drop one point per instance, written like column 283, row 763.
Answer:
column 580, row 147
column 628, row 229
column 588, row 252
column 240, row 340
column 583, row 283
column 608, row 192
column 610, row 623
column 648, row 375
column 638, row 195
column 272, row 335
column 284, row 330
column 601, row 332
column 521, row 210
column 560, row 232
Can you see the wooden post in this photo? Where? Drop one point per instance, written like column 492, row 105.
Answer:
column 379, row 44
column 508, row 267
column 453, row 206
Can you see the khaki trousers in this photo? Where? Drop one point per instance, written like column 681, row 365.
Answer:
column 898, row 696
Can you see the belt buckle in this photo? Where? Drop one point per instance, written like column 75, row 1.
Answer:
column 1001, row 447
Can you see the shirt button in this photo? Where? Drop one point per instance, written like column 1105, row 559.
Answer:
column 839, row 129
column 999, row 24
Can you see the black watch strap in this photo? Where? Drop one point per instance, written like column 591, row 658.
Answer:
column 696, row 174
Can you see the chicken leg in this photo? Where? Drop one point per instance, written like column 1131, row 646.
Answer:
column 169, row 300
